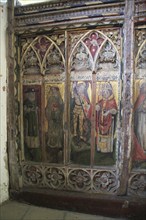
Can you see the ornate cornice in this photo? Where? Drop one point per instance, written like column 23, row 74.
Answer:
column 57, row 5
column 66, row 12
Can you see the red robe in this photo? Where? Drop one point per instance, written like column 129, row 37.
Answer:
column 138, row 151
column 103, row 123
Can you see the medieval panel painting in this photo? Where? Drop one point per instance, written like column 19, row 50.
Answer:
column 139, row 110
column 43, row 76
column 80, row 102
column 94, row 99
column 106, row 121
column 70, row 109
column 32, row 122
column 54, row 110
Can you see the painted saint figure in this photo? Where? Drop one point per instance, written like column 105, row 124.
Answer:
column 31, row 125
column 140, row 124
column 54, row 115
column 106, row 109
column 81, row 108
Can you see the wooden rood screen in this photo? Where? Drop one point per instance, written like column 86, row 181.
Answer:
column 70, row 108
column 80, row 97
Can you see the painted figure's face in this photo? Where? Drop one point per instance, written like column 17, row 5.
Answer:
column 81, row 89
column 31, row 96
column 106, row 93
column 54, row 91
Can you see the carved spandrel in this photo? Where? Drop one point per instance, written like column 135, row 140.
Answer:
column 41, row 45
column 74, row 39
column 115, row 36
column 107, row 61
column 30, row 64
column 59, row 40
column 141, row 59
column 140, row 36
column 42, row 55
column 81, row 60
column 24, row 44
column 54, row 63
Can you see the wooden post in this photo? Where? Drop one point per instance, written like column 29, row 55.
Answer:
column 127, row 94
column 93, row 117
column 13, row 150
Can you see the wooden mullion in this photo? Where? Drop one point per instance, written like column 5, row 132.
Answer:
column 93, row 118
column 127, row 94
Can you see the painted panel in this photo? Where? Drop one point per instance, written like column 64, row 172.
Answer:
column 54, row 111
column 106, row 120
column 139, row 110
column 80, row 136
column 94, row 52
column 32, row 122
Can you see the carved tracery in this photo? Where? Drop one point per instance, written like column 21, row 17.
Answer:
column 46, row 75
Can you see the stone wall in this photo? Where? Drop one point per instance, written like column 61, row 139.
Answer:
column 4, row 180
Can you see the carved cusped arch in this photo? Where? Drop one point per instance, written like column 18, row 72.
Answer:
column 140, row 61
column 44, row 55
column 92, row 49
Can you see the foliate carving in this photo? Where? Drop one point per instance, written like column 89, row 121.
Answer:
column 59, row 41
column 114, row 36
column 24, row 44
column 79, row 180
column 81, row 60
column 42, row 55
column 55, row 178
column 32, row 175
column 105, row 181
column 108, row 55
column 107, row 64
column 137, row 184
column 73, row 39
column 140, row 36
column 30, row 63
column 54, row 63
column 141, row 62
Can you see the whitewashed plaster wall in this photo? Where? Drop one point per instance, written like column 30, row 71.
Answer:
column 4, row 180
